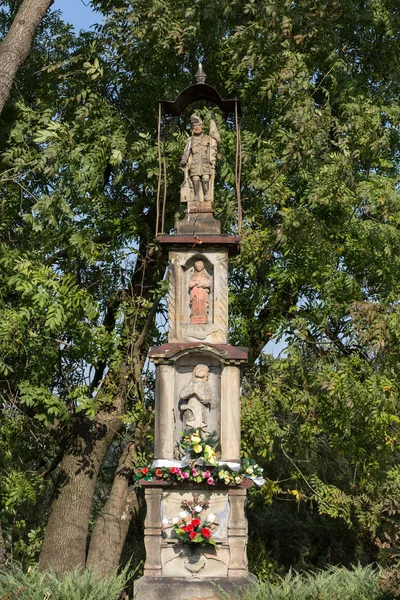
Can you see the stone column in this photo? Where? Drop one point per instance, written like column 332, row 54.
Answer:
column 237, row 533
column 152, row 532
column 230, row 413
column 164, row 417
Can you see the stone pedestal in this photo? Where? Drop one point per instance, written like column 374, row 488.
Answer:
column 198, row 219
column 198, row 377
column 175, row 588
column 199, row 572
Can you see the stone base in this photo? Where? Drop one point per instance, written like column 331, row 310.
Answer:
column 198, row 220
column 174, row 588
column 167, row 557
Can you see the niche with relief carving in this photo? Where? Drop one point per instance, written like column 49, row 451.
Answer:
column 198, row 278
column 198, row 397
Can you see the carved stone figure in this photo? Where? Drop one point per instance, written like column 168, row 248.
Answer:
column 196, row 398
column 198, row 162
column 199, row 290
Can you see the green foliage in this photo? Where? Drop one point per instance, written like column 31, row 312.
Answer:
column 333, row 426
column 319, row 266
column 331, row 584
column 15, row 583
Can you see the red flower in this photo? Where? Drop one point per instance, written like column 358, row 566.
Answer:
column 189, row 527
column 184, row 528
column 192, row 534
column 205, row 532
column 159, row 473
column 144, row 471
column 196, row 522
column 172, row 470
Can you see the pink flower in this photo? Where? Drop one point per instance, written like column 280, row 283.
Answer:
column 195, row 472
column 184, row 475
column 206, row 474
column 210, row 481
column 178, row 471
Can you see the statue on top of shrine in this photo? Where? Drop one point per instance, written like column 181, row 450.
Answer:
column 198, row 162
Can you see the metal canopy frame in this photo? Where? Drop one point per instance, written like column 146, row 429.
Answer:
column 195, row 92
column 167, row 108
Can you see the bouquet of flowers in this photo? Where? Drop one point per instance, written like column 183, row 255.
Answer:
column 200, row 450
column 194, row 532
column 189, row 527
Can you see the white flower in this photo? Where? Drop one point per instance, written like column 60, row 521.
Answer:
column 165, row 521
column 183, row 514
column 175, row 520
column 198, row 509
column 211, row 518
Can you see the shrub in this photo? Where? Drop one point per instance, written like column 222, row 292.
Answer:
column 15, row 584
column 334, row 583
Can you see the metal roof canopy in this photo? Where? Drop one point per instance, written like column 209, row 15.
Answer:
column 199, row 91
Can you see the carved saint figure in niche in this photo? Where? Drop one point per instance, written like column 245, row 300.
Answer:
column 199, row 290
column 195, row 401
column 198, row 161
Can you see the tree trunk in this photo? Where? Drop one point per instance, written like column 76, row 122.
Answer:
column 2, row 549
column 64, row 544
column 16, row 45
column 112, row 525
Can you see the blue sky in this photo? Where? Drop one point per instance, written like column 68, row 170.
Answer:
column 80, row 15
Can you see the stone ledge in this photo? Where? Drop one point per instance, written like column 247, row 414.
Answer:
column 173, row 588
column 191, row 486
column 171, row 352
column 231, row 242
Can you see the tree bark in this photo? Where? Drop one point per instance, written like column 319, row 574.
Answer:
column 64, row 544
column 112, row 525
column 86, row 442
column 17, row 43
column 2, row 549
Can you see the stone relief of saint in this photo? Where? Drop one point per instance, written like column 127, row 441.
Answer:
column 198, row 162
column 199, row 290
column 195, row 401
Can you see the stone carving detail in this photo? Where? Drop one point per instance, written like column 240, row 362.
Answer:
column 194, row 563
column 198, row 162
column 221, row 315
column 172, row 302
column 195, row 401
column 199, row 290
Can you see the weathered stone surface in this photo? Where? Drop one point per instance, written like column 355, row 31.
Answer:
column 219, row 506
column 170, row 353
column 152, row 531
column 172, row 383
column 181, row 325
column 198, row 222
column 231, row 243
column 167, row 557
column 230, row 413
column 200, row 564
column 164, row 435
column 174, row 588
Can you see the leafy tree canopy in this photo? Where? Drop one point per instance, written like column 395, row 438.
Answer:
column 319, row 87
